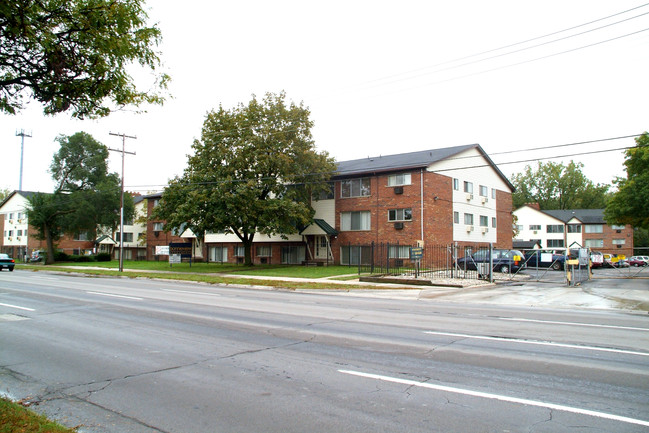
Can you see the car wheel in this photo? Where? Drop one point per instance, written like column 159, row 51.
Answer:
column 11, row 269
column 556, row 266
column 504, row 269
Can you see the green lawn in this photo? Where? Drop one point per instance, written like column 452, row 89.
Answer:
column 15, row 418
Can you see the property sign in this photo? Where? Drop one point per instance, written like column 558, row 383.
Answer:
column 416, row 253
column 182, row 248
column 174, row 258
column 162, row 250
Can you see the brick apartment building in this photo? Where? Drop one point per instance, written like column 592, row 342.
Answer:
column 573, row 228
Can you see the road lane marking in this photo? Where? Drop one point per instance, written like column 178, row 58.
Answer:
column 116, row 296
column 17, row 307
column 592, row 325
column 539, row 343
column 190, row 292
column 504, row 398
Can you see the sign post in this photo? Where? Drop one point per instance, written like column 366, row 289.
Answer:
column 417, row 253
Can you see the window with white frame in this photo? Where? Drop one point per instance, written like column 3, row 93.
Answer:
column 456, row 184
column 468, row 187
column 493, row 222
column 619, row 241
column 574, row 228
column 128, row 237
column 593, row 228
column 484, row 221
column 263, row 250
column 81, row 236
column 555, row 243
column 239, row 251
column 400, row 214
column 493, row 193
column 456, row 217
column 468, row 219
column 355, row 187
column 535, row 226
column 218, row 254
column 614, row 227
column 158, row 227
column 399, row 179
column 19, row 232
column 484, row 191
column 354, row 221
column 554, row 228
column 399, row 252
column 594, row 243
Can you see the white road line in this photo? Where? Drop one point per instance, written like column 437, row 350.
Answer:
column 190, row 292
column 17, row 307
column 499, row 397
column 539, row 343
column 592, row 325
column 115, row 296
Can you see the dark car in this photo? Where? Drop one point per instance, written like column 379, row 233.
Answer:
column 6, row 262
column 538, row 259
column 504, row 261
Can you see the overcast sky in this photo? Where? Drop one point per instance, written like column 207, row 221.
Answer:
column 382, row 78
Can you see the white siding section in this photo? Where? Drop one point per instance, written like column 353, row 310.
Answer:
column 13, row 207
column 325, row 210
column 528, row 216
column 471, row 166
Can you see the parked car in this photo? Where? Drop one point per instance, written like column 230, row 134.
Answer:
column 596, row 259
column 636, row 261
column 37, row 256
column 504, row 261
column 539, row 259
column 6, row 262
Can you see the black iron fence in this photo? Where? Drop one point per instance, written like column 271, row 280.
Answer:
column 430, row 261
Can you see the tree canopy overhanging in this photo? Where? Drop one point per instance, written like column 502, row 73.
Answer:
column 254, row 170
column 74, row 55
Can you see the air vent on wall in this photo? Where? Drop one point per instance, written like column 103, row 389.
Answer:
column 398, row 190
column 398, row 226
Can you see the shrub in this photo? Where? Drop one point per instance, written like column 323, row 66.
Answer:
column 60, row 256
column 84, row 259
column 103, row 257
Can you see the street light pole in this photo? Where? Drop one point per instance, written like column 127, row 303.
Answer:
column 121, row 210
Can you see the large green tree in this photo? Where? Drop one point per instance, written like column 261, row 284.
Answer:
column 254, row 170
column 557, row 186
column 630, row 204
column 76, row 55
column 86, row 195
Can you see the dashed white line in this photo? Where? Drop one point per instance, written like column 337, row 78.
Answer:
column 591, row 325
column 116, row 296
column 190, row 292
column 499, row 397
column 17, row 307
column 539, row 343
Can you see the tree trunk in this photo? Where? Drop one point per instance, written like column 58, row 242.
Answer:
column 247, row 248
column 50, row 245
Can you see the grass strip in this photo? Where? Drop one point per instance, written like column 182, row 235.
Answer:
column 16, row 418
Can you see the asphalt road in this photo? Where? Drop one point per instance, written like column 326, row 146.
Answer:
column 120, row 355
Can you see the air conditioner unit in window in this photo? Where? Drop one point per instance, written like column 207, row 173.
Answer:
column 469, row 229
column 469, row 197
column 618, row 231
column 156, row 233
column 484, row 200
column 485, row 230
column 398, row 226
column 535, row 231
column 398, row 190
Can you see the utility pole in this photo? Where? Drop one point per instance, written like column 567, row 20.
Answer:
column 22, row 136
column 121, row 211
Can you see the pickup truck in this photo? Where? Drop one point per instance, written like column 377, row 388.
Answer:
column 6, row 262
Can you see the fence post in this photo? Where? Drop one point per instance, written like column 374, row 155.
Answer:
column 372, row 259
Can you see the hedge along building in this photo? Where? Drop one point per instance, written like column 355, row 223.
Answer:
column 439, row 196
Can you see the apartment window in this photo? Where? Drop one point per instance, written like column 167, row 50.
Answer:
column 82, row 236
column 555, row 243
column 493, row 193
column 535, row 227
column 19, row 216
column 11, row 216
column 239, row 251
column 350, row 221
column 399, row 252
column 574, row 228
column 355, row 188
column 484, row 221
column 158, row 227
column 619, row 241
column 456, row 184
column 614, row 227
column 263, row 250
column 493, row 222
column 456, row 217
column 468, row 219
column 594, row 243
column 11, row 233
column 484, row 191
column 554, row 228
column 218, row 254
column 128, row 237
column 468, row 187
column 593, row 228
column 327, row 194
column 156, row 202
column 399, row 179
column 355, row 255
column 400, row 215
column 19, row 232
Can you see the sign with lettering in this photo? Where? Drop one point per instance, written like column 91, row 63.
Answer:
column 416, row 253
column 182, row 248
column 162, row 250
